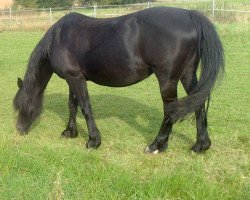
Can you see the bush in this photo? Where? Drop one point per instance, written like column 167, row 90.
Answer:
column 25, row 3
column 64, row 3
column 54, row 3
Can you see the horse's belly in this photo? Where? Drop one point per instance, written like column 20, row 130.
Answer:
column 114, row 64
column 117, row 76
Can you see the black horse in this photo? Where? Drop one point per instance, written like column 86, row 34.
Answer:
column 121, row 51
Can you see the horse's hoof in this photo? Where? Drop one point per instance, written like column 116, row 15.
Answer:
column 201, row 146
column 149, row 151
column 156, row 148
column 69, row 133
column 93, row 144
column 22, row 133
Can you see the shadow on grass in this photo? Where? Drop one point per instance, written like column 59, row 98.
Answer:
column 106, row 106
column 124, row 108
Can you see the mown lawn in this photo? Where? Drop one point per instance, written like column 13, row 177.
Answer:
column 42, row 165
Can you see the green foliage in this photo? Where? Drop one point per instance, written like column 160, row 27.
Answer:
column 43, row 3
column 64, row 3
column 25, row 3
column 110, row 2
column 128, row 1
column 54, row 3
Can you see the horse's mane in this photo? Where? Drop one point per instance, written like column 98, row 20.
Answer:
column 30, row 91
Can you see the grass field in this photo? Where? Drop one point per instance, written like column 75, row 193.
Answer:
column 42, row 165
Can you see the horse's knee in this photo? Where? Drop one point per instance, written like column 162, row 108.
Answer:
column 86, row 111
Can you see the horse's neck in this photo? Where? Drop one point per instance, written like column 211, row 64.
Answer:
column 36, row 82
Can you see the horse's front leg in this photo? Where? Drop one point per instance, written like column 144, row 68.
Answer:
column 71, row 130
column 78, row 86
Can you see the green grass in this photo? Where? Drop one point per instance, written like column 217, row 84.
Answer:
column 41, row 165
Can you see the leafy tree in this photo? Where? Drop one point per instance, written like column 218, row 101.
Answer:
column 25, row 3
column 110, row 2
column 65, row 3
column 54, row 3
column 128, row 1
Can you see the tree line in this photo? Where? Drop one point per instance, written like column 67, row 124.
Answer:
column 64, row 3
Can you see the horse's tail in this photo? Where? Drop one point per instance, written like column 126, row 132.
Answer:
column 211, row 55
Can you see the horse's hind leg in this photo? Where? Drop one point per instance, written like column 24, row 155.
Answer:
column 71, row 130
column 168, row 89
column 189, row 81
column 78, row 85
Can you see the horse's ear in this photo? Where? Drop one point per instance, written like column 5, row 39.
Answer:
column 20, row 83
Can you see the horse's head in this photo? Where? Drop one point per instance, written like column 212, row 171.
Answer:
column 28, row 105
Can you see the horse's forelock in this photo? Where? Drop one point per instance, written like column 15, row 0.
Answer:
column 21, row 100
